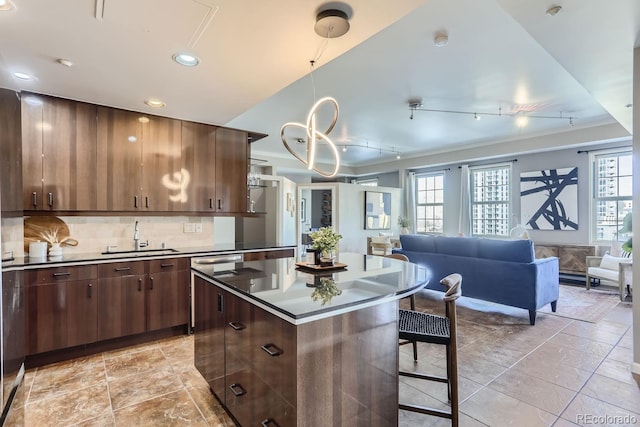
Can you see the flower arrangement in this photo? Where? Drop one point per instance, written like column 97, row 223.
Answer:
column 403, row 221
column 325, row 240
column 52, row 237
column 627, row 228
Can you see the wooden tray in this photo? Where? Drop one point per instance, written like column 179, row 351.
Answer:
column 313, row 267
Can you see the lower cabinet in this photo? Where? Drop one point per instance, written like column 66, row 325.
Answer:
column 142, row 296
column 251, row 373
column 77, row 305
column 61, row 308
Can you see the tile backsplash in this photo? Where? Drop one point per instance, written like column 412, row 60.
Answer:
column 95, row 233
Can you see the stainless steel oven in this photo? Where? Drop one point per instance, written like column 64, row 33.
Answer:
column 223, row 262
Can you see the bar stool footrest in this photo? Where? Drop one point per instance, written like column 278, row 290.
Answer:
column 425, row 410
column 424, row 376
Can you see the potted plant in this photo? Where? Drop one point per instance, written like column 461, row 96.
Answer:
column 404, row 224
column 627, row 229
column 326, row 241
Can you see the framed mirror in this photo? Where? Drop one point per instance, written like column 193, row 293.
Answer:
column 377, row 210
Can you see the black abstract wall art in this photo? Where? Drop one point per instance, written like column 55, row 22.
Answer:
column 549, row 199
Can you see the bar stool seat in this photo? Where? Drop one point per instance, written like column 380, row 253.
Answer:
column 430, row 328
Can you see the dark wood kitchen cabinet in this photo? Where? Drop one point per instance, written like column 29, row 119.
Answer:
column 198, row 154
column 168, row 293
column 10, row 155
column 62, row 307
column 121, row 292
column 59, row 154
column 232, row 156
column 142, row 296
column 140, row 161
column 247, row 355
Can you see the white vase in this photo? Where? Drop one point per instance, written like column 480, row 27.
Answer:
column 55, row 250
column 404, row 230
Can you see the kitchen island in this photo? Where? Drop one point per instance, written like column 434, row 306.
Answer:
column 281, row 344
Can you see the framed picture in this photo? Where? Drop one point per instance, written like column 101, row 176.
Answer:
column 303, row 209
column 377, row 210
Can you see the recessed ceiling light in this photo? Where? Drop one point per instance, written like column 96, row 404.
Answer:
column 62, row 61
column 6, row 5
column 441, row 39
column 554, row 10
column 155, row 103
column 186, row 59
column 22, row 76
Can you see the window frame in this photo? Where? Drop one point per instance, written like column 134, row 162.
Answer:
column 473, row 203
column 417, row 206
column 595, row 177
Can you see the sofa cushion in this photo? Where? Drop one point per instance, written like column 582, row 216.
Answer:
column 459, row 246
column 609, row 262
column 603, row 273
column 506, row 250
column 417, row 243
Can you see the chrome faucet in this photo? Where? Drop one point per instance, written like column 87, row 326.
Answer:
column 136, row 238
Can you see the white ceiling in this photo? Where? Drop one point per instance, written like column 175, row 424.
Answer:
column 502, row 55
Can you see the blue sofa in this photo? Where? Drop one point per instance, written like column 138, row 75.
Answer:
column 500, row 271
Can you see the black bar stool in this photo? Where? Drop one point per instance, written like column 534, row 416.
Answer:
column 434, row 329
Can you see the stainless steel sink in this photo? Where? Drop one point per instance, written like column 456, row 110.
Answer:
column 142, row 252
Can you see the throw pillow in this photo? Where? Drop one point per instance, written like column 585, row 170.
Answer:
column 610, row 262
column 386, row 234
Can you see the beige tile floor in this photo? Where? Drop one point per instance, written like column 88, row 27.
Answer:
column 560, row 372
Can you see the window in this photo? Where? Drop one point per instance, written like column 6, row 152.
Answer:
column 430, row 203
column 490, row 195
column 612, row 186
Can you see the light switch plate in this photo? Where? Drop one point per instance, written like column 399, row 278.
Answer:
column 198, row 228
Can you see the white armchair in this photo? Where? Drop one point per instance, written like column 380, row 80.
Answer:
column 617, row 270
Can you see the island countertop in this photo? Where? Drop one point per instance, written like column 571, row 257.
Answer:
column 301, row 295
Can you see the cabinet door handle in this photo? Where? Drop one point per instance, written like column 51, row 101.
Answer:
column 220, row 303
column 50, row 199
column 268, row 422
column 150, row 282
column 219, row 204
column 237, row 389
column 34, row 197
column 89, row 290
column 272, row 350
column 237, row 326
column 135, row 201
column 146, row 201
column 210, row 203
column 61, row 274
column 122, row 269
column 139, row 285
column 167, row 265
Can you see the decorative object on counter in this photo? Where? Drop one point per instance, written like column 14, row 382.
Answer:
column 55, row 251
column 50, row 229
column 404, row 224
column 312, row 257
column 326, row 241
column 325, row 290
column 37, row 250
column 318, row 267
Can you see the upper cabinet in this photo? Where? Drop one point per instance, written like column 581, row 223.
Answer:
column 198, row 166
column 59, row 154
column 232, row 162
column 84, row 158
column 10, row 155
column 139, row 168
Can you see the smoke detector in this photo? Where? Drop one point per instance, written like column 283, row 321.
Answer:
column 331, row 23
column 554, row 10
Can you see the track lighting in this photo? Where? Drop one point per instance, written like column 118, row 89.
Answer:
column 522, row 119
column 378, row 149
